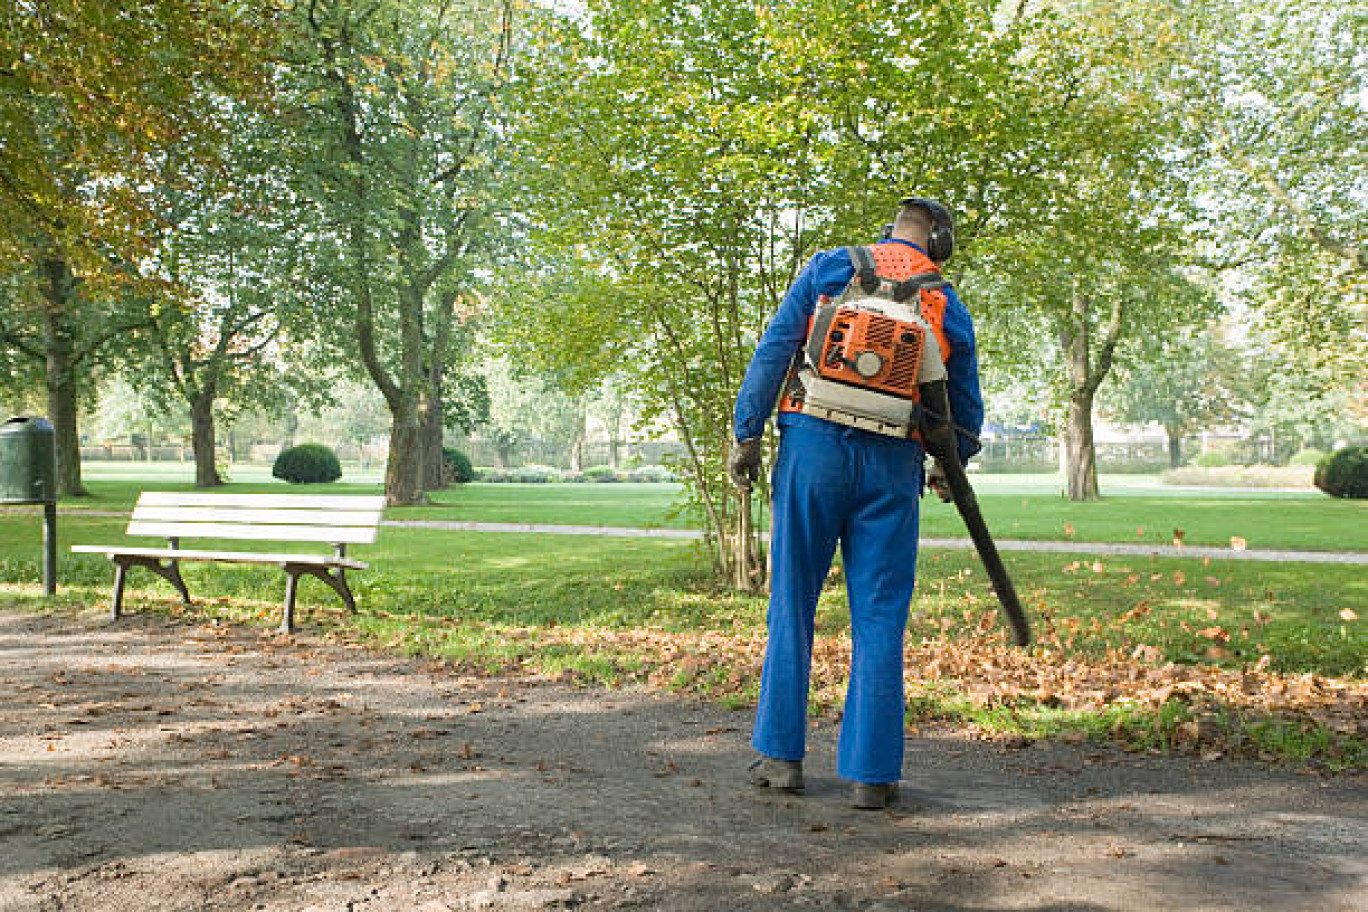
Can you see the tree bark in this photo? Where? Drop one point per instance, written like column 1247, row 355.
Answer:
column 580, row 417
column 433, row 414
column 1175, row 446
column 404, row 471
column 59, row 349
column 202, row 438
column 1079, row 451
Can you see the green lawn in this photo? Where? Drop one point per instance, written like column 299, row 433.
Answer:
column 1288, row 610
column 1027, row 507
column 609, row 609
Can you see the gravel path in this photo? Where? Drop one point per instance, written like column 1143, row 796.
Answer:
column 159, row 765
column 1063, row 547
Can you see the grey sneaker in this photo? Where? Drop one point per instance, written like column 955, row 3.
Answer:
column 872, row 796
column 785, row 775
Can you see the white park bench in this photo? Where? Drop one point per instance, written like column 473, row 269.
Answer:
column 338, row 521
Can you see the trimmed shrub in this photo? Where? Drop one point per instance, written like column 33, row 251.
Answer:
column 1344, row 473
column 1211, row 460
column 536, row 474
column 456, row 467
column 1307, row 457
column 308, row 463
column 600, row 473
column 651, row 474
column 1258, row 476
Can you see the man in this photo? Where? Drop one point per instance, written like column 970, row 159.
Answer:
column 831, row 483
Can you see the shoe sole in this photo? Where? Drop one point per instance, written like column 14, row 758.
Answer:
column 875, row 800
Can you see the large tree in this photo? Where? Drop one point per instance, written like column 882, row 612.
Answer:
column 393, row 110
column 92, row 98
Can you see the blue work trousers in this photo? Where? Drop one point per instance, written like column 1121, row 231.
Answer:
column 836, row 483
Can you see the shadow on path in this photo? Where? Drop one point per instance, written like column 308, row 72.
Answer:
column 156, row 765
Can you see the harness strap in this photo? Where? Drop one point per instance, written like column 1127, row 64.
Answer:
column 865, row 269
column 927, row 281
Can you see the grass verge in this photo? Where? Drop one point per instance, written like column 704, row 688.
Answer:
column 1217, row 658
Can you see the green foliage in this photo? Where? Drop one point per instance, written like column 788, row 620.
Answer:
column 711, row 147
column 1344, row 473
column 600, row 473
column 1307, row 457
column 96, row 97
column 308, row 463
column 1211, row 459
column 456, row 467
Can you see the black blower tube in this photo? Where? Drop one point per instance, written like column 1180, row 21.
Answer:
column 938, row 436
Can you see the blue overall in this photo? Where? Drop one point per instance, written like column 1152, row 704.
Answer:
column 834, row 483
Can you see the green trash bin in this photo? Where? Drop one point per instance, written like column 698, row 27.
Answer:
column 28, row 475
column 28, row 461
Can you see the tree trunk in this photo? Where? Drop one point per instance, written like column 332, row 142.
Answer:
column 1081, row 472
column 580, row 417
column 1175, row 446
column 202, row 438
column 404, row 473
column 1079, row 453
column 433, row 427
column 289, row 426
column 60, row 374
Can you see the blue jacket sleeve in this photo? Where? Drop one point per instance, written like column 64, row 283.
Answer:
column 827, row 272
column 962, row 381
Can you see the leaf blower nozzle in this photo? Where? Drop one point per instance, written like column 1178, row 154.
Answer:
column 938, row 436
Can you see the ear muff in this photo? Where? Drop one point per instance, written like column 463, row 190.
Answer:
column 940, row 244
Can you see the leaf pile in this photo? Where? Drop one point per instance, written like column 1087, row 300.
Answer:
column 983, row 670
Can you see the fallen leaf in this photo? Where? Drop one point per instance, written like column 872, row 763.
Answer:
column 1348, row 614
column 1068, row 530
column 1237, row 543
column 1179, row 577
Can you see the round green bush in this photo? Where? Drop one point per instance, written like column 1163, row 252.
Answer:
column 456, row 467
column 1211, row 460
column 308, row 463
column 601, row 473
column 1307, row 457
column 1344, row 473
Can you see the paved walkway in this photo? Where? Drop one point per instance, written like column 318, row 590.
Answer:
column 159, row 765
column 1115, row 549
column 1062, row 547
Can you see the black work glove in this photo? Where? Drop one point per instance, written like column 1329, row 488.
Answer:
column 936, row 481
column 744, row 463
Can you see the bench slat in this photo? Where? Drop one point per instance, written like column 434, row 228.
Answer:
column 284, row 501
column 256, row 532
column 263, row 517
column 232, row 557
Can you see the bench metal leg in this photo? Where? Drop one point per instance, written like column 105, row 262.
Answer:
column 169, row 571
column 116, row 603
column 335, row 578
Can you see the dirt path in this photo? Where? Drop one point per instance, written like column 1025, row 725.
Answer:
column 156, row 765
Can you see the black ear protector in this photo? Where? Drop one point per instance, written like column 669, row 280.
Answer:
column 887, row 232
column 940, row 243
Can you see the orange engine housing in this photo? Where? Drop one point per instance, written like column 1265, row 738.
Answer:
column 872, row 350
